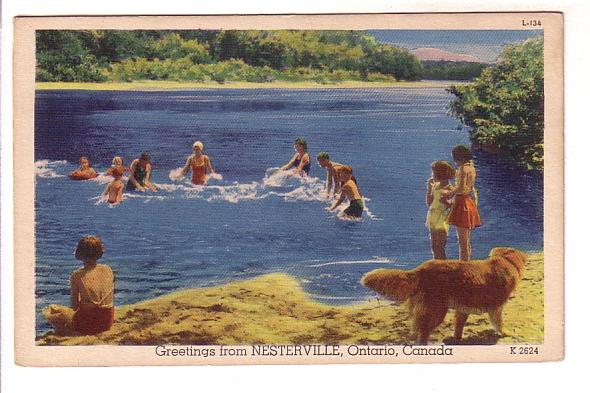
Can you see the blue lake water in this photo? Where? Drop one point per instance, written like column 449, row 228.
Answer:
column 256, row 220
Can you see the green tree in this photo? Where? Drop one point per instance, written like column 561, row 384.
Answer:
column 173, row 46
column 504, row 105
column 395, row 61
column 62, row 56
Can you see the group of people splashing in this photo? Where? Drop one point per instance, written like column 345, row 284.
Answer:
column 340, row 181
column 140, row 172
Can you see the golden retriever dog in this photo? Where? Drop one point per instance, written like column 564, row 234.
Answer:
column 468, row 287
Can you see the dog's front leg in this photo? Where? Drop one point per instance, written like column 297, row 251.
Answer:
column 460, row 319
column 496, row 318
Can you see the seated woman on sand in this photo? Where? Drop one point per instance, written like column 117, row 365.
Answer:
column 199, row 164
column 300, row 160
column 140, row 172
column 92, row 294
column 84, row 172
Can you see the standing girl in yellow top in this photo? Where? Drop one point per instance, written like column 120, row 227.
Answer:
column 464, row 214
column 439, row 207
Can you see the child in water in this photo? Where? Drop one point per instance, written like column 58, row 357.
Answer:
column 437, row 219
column 199, row 163
column 117, row 163
column 349, row 190
column 114, row 189
column 85, row 171
column 300, row 160
column 333, row 182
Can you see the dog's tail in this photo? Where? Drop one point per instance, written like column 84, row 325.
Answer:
column 392, row 284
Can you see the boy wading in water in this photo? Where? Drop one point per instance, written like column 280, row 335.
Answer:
column 114, row 190
column 349, row 190
column 333, row 183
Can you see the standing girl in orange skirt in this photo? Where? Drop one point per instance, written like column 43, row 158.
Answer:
column 464, row 214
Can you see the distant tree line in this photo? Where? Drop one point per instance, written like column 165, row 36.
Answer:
column 452, row 70
column 504, row 106
column 323, row 56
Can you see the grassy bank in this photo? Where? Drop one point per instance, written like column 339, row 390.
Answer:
column 274, row 309
column 173, row 85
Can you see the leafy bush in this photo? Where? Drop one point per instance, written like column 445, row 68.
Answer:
column 504, row 106
column 451, row 70
column 172, row 46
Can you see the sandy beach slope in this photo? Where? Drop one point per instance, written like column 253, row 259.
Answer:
column 273, row 309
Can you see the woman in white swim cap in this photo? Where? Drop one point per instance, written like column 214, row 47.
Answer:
column 199, row 163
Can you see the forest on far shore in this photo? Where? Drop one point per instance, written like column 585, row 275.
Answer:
column 232, row 55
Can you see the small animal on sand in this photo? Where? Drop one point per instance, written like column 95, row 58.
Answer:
column 436, row 286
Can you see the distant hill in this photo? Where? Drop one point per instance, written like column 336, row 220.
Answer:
column 434, row 54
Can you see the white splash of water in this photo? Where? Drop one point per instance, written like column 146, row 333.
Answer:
column 48, row 169
column 176, row 174
column 376, row 260
column 275, row 183
column 103, row 178
column 341, row 216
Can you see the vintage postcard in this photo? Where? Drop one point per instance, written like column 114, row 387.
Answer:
column 290, row 189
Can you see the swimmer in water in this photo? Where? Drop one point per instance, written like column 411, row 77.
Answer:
column 349, row 190
column 85, row 171
column 199, row 163
column 114, row 190
column 140, row 172
column 333, row 182
column 300, row 160
column 117, row 163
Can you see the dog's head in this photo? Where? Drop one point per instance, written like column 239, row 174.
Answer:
column 515, row 257
column 391, row 283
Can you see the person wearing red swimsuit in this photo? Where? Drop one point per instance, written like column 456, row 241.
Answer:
column 199, row 164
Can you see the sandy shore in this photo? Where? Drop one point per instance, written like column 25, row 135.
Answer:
column 173, row 85
column 274, row 309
